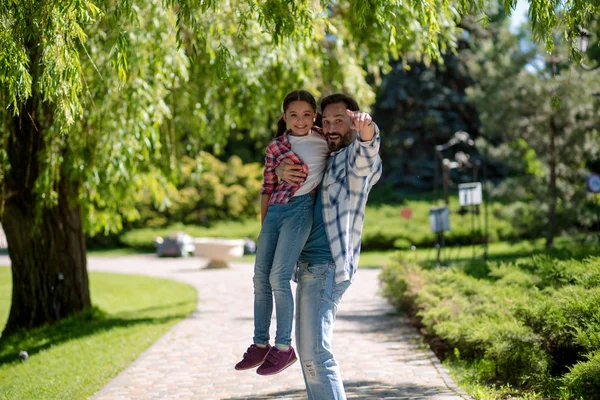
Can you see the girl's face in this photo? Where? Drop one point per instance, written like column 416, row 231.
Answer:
column 299, row 117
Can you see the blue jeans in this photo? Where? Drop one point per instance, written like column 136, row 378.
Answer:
column 284, row 232
column 317, row 298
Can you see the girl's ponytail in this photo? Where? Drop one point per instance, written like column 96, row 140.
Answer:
column 281, row 127
column 319, row 120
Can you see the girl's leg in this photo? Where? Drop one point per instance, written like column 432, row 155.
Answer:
column 295, row 225
column 263, row 295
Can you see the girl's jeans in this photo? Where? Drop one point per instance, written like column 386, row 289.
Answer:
column 282, row 237
column 317, row 298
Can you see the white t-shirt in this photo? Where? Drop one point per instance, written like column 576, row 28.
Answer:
column 313, row 151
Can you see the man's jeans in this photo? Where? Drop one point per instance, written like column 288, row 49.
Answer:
column 317, row 298
column 282, row 237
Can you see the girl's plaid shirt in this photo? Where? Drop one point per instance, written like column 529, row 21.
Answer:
column 278, row 149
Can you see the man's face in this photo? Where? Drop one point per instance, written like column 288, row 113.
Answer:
column 337, row 126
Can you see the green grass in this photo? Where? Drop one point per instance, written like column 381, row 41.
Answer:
column 143, row 238
column 565, row 247
column 384, row 228
column 368, row 259
column 464, row 255
column 117, row 252
column 5, row 294
column 76, row 357
column 465, row 374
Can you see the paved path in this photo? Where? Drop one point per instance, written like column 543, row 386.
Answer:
column 380, row 355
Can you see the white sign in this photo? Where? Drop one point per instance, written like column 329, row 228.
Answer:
column 593, row 182
column 469, row 194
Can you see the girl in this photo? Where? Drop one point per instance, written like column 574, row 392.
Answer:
column 286, row 216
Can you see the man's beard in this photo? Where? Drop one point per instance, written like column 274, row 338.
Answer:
column 344, row 140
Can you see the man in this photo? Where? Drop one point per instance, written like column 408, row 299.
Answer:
column 327, row 267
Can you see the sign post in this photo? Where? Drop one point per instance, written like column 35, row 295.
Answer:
column 439, row 221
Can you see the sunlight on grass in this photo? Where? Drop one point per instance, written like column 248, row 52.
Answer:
column 76, row 357
column 142, row 238
column 368, row 259
column 118, row 252
column 384, row 227
column 5, row 294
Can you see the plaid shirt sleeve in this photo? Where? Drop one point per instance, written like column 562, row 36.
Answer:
column 280, row 191
column 270, row 178
column 365, row 155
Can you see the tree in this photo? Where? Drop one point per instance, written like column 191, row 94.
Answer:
column 544, row 127
column 88, row 90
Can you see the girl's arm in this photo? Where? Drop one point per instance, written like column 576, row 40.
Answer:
column 264, row 206
column 269, row 182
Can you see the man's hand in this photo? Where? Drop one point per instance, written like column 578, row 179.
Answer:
column 290, row 172
column 363, row 123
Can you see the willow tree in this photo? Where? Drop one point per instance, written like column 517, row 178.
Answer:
column 88, row 90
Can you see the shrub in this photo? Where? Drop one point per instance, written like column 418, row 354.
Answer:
column 583, row 379
column 385, row 229
column 568, row 322
column 477, row 317
column 401, row 285
column 530, row 324
column 209, row 190
column 557, row 273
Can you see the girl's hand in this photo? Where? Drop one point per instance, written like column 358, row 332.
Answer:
column 290, row 172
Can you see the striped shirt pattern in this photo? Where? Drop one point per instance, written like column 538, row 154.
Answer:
column 350, row 175
column 278, row 149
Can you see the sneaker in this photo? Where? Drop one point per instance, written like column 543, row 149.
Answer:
column 253, row 357
column 277, row 360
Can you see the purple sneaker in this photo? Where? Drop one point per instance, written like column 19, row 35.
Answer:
column 277, row 360
column 253, row 357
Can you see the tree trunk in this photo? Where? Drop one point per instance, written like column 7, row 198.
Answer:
column 551, row 231
column 48, row 259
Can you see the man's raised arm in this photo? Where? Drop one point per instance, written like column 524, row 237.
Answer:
column 364, row 155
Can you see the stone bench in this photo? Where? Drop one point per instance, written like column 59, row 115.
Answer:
column 218, row 251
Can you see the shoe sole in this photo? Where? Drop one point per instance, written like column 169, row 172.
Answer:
column 252, row 367
column 276, row 372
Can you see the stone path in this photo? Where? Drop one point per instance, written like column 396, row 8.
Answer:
column 381, row 356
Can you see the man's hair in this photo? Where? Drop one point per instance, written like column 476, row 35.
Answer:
column 351, row 104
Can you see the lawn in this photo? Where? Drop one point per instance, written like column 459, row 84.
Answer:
column 116, row 252
column 387, row 227
column 76, row 357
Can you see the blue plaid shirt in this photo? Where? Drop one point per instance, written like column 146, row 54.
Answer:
column 351, row 173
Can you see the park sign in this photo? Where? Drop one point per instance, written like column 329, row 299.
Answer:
column 469, row 193
column 593, row 183
column 439, row 219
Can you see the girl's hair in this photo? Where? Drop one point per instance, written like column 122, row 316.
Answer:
column 296, row 95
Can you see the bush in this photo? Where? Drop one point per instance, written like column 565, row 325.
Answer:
column 209, row 190
column 402, row 284
column 477, row 318
column 567, row 321
column 583, row 379
column 385, row 229
column 529, row 324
